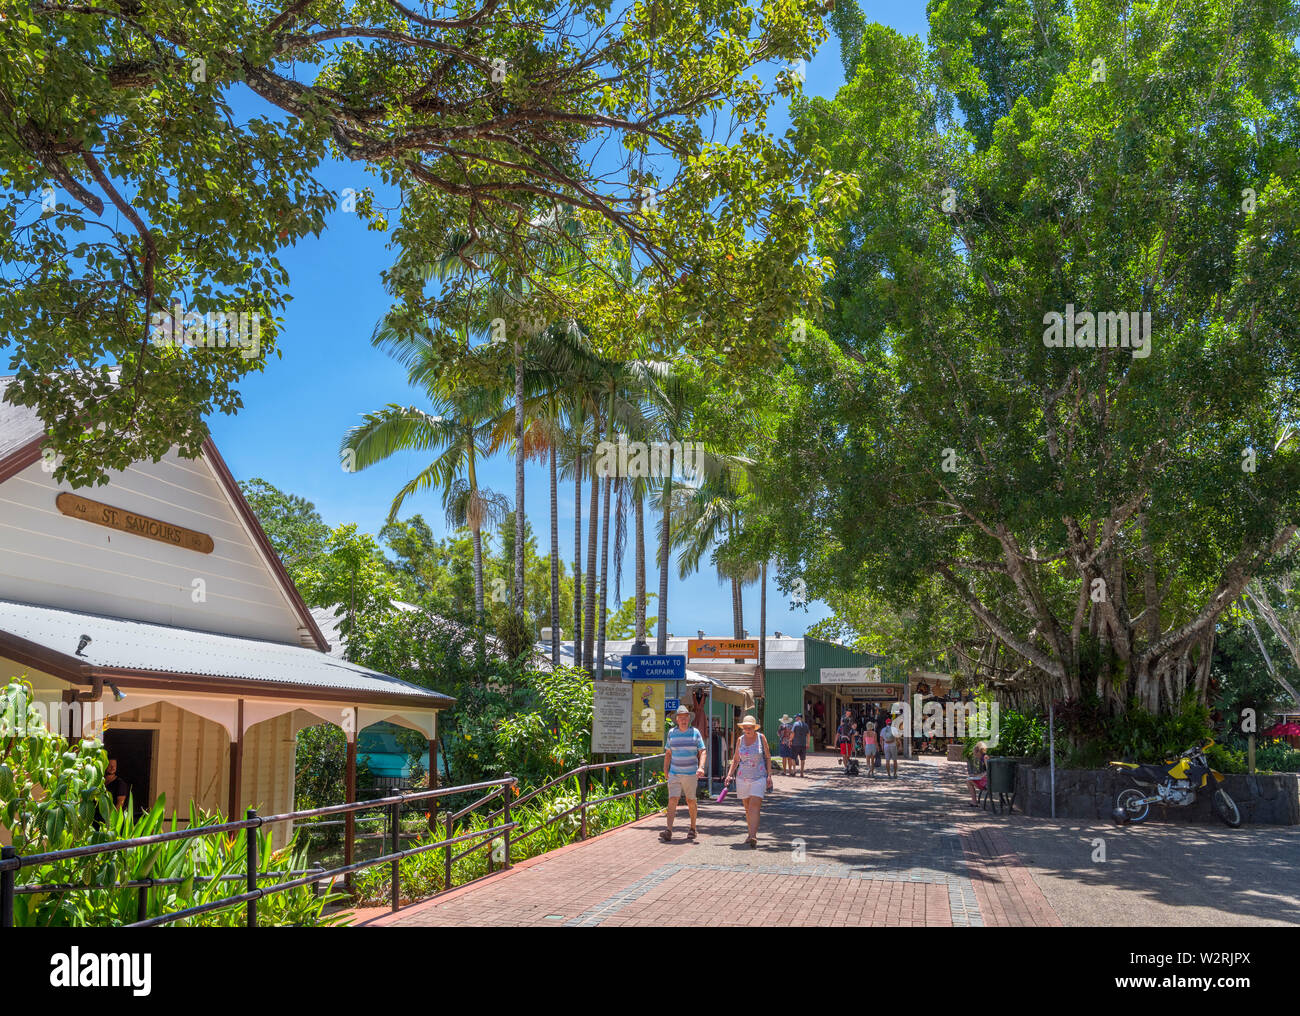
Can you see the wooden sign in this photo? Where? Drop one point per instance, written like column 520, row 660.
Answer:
column 722, row 649
column 77, row 507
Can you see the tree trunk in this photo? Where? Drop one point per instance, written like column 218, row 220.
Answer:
column 639, row 502
column 737, row 614
column 478, row 574
column 519, row 478
column 577, row 558
column 480, row 636
column 555, row 563
column 604, row 576
column 665, row 545
column 589, row 619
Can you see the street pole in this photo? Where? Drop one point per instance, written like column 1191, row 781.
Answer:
column 708, row 739
column 1051, row 739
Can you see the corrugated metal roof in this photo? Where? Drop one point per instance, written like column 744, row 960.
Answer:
column 135, row 645
column 18, row 424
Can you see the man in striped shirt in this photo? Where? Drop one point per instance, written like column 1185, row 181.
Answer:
column 683, row 767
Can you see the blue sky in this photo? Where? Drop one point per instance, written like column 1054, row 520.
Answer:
column 328, row 374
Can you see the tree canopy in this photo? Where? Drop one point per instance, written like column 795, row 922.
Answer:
column 154, row 159
column 1095, row 505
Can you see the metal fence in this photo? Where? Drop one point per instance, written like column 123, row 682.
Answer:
column 499, row 821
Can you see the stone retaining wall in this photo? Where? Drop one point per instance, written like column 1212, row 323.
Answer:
column 1090, row 794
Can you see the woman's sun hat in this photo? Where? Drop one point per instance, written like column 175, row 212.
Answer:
column 785, row 718
column 749, row 721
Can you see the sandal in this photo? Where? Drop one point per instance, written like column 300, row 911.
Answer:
column 665, row 836
column 752, row 841
column 691, row 835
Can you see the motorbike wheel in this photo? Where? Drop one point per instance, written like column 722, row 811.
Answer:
column 1226, row 808
column 1132, row 803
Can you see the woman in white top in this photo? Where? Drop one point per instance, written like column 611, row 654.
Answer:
column 752, row 767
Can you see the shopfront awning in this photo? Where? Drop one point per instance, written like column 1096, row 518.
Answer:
column 724, row 693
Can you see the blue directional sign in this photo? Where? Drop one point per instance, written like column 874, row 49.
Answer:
column 671, row 704
column 669, row 667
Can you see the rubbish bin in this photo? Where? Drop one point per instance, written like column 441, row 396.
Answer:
column 1002, row 778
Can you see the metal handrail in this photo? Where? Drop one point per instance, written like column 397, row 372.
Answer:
column 585, row 768
column 151, row 883
column 331, row 873
column 11, row 863
column 15, row 862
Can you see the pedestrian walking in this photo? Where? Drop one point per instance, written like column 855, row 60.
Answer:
column 752, row 767
column 869, row 747
column 889, row 750
column 784, row 732
column 799, row 734
column 844, row 738
column 684, row 757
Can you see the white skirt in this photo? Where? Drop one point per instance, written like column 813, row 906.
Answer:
column 750, row 788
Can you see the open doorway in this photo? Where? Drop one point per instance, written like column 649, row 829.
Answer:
column 133, row 750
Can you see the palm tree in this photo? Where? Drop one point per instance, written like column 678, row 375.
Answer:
column 460, row 432
column 624, row 384
column 670, row 413
column 710, row 518
column 556, row 370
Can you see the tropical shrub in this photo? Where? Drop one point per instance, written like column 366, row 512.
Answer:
column 1226, row 759
column 1019, row 736
column 51, row 793
column 1094, row 736
column 320, row 774
column 534, row 732
column 52, row 797
column 1271, row 756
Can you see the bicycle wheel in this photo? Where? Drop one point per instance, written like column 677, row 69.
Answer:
column 1226, row 808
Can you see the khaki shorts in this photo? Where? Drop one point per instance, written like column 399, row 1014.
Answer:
column 889, row 749
column 682, row 785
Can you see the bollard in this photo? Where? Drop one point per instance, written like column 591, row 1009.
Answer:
column 250, row 835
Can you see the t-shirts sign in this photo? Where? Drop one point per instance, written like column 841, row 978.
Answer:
column 611, row 717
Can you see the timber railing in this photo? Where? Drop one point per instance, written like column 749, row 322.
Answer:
column 500, row 825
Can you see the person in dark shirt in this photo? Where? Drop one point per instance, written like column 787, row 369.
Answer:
column 117, row 788
column 844, row 737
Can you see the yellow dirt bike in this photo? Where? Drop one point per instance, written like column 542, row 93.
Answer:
column 1173, row 782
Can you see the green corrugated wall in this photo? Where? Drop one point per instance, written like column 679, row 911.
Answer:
column 785, row 687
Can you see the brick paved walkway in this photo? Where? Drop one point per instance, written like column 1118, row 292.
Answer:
column 832, row 851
